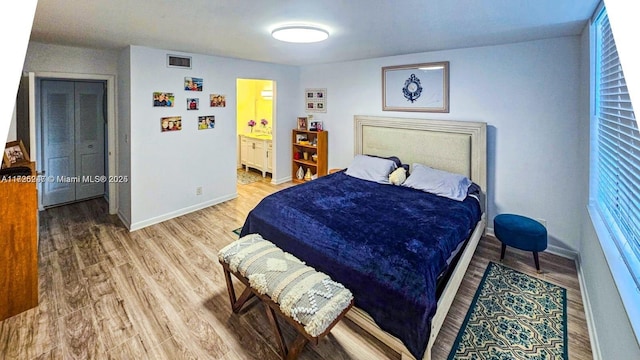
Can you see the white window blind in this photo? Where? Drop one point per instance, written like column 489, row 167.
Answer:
column 618, row 150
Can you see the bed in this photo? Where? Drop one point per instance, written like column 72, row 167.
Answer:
column 390, row 245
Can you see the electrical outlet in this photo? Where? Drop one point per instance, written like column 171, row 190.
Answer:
column 199, row 190
column 542, row 221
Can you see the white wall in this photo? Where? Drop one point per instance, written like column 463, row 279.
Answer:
column 166, row 168
column 67, row 59
column 526, row 92
column 13, row 130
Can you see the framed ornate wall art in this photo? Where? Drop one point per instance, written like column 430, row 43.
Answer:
column 416, row 87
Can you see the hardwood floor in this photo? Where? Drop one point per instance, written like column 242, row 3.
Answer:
column 159, row 292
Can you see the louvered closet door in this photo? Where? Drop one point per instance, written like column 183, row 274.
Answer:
column 58, row 141
column 72, row 140
column 89, row 135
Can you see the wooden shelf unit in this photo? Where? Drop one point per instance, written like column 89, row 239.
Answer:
column 318, row 167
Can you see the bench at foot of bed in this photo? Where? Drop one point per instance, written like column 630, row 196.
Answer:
column 307, row 299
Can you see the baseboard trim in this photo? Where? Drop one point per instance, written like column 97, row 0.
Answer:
column 158, row 219
column 553, row 249
column 281, row 180
column 588, row 313
column 125, row 220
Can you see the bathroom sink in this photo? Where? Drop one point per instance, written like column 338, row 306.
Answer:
column 259, row 136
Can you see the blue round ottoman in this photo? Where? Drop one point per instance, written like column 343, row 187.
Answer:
column 521, row 233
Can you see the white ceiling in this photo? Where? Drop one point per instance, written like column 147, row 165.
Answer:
column 359, row 28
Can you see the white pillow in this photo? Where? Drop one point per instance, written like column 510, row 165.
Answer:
column 438, row 182
column 371, row 168
column 398, row 176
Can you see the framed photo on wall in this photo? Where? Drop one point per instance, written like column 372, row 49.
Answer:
column 206, row 122
column 315, row 100
column 193, row 83
column 171, row 123
column 416, row 87
column 193, row 103
column 217, row 100
column 163, row 99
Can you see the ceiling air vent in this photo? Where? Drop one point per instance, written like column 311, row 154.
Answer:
column 176, row 61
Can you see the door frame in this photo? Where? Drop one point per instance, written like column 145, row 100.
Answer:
column 273, row 123
column 112, row 126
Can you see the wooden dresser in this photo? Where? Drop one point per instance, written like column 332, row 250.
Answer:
column 18, row 246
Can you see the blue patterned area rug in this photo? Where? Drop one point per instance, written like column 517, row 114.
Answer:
column 514, row 316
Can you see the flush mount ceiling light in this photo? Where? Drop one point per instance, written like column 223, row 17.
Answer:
column 300, row 34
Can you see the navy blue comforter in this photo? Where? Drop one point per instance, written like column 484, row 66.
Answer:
column 385, row 243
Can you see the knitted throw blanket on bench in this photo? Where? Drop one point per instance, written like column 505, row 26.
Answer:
column 304, row 294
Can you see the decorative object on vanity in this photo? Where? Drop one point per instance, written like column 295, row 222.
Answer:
column 217, row 100
column 514, row 315
column 206, row 122
column 416, row 87
column 15, row 154
column 309, row 149
column 163, row 99
column 171, row 123
column 302, row 123
column 251, row 123
column 315, row 100
column 193, row 84
column 193, row 103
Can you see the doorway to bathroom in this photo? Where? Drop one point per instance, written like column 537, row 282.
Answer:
column 255, row 124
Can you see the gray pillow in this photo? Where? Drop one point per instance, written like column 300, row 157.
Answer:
column 371, row 168
column 438, row 182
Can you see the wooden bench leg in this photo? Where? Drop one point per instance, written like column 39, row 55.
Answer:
column 504, row 248
column 236, row 304
column 296, row 347
column 282, row 346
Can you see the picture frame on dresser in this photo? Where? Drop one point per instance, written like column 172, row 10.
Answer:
column 315, row 125
column 15, row 154
column 416, row 87
column 302, row 123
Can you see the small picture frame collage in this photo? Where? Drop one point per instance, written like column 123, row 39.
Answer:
column 167, row 99
column 315, row 100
